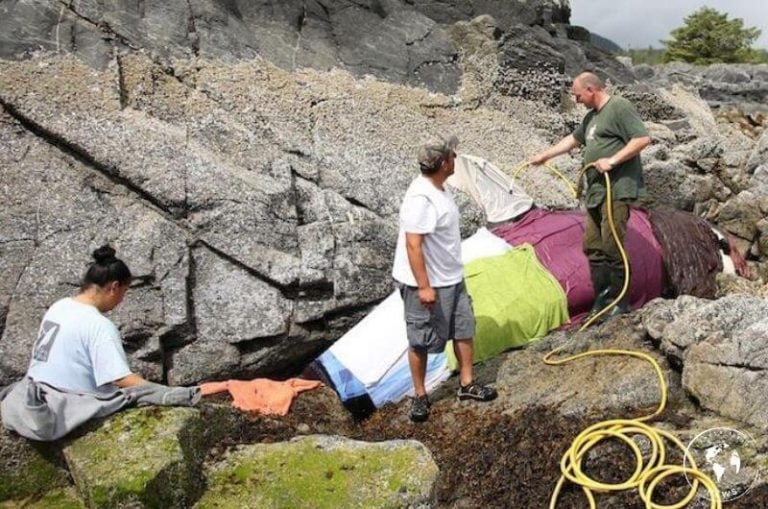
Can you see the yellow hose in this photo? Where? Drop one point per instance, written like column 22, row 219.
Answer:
column 646, row 477
column 554, row 170
column 619, row 244
column 608, row 198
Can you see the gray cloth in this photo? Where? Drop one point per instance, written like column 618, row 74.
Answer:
column 40, row 412
column 451, row 317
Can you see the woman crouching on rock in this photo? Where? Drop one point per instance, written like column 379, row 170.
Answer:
column 79, row 369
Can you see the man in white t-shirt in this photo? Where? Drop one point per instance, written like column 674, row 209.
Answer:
column 430, row 274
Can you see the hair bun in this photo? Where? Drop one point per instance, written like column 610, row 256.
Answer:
column 104, row 254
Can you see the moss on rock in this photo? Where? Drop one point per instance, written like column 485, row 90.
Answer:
column 323, row 472
column 62, row 498
column 150, row 457
column 28, row 469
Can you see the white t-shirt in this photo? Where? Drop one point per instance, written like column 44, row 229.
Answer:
column 433, row 213
column 78, row 349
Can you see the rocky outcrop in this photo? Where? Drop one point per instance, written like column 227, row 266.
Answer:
column 258, row 209
column 718, row 83
column 248, row 200
column 399, row 41
column 737, row 92
column 719, row 347
column 390, row 39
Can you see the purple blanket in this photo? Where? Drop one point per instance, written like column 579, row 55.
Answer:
column 556, row 238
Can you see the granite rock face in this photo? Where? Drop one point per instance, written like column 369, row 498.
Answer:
column 247, row 201
column 399, row 41
column 402, row 42
column 258, row 208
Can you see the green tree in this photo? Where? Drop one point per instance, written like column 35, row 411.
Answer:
column 709, row 37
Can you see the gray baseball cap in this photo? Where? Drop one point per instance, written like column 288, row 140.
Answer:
column 434, row 151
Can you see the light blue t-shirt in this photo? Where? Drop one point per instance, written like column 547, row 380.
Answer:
column 78, row 350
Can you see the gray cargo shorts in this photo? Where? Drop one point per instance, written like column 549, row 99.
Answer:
column 450, row 318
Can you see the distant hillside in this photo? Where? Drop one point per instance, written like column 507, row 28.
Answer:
column 606, row 44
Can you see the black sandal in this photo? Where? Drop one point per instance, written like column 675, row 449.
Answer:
column 477, row 392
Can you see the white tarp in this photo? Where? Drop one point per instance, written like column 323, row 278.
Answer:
column 492, row 189
column 372, row 347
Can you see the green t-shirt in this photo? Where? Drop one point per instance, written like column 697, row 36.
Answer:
column 603, row 133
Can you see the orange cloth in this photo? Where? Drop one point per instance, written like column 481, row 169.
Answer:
column 261, row 394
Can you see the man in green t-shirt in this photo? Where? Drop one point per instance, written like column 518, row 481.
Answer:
column 613, row 135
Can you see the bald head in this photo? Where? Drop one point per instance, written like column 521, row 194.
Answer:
column 589, row 90
column 589, row 79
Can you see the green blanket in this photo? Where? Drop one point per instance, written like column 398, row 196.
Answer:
column 515, row 300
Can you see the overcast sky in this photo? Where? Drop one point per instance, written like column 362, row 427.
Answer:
column 639, row 23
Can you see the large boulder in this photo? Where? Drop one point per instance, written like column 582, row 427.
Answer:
column 323, row 471
column 727, row 373
column 149, row 457
column 686, row 321
column 740, row 215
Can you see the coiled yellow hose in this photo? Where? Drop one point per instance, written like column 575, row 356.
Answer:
column 646, row 477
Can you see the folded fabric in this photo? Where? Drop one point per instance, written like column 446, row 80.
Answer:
column 515, row 302
column 38, row 411
column 261, row 395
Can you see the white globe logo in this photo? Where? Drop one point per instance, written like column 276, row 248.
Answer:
column 724, row 454
column 715, row 459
